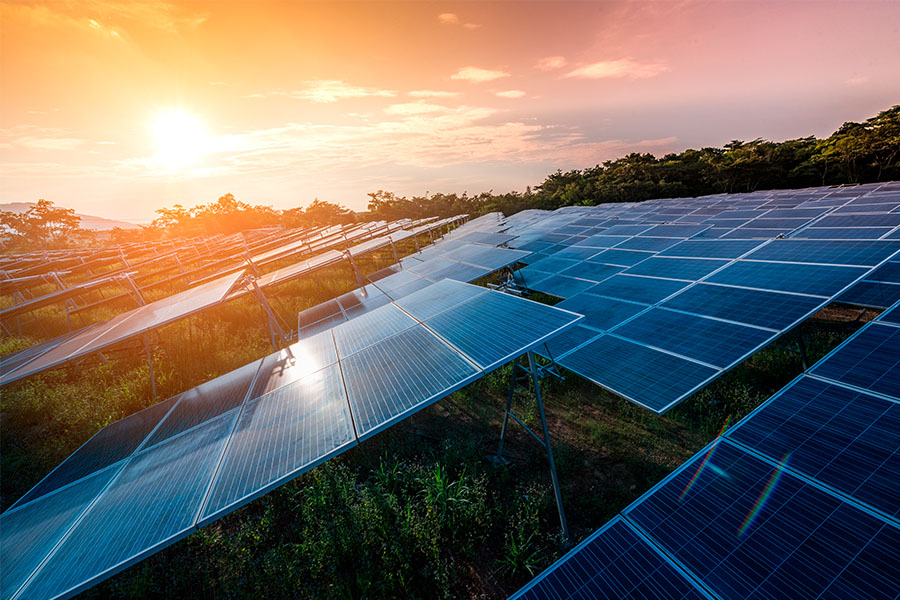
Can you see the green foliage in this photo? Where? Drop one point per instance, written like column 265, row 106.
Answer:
column 42, row 227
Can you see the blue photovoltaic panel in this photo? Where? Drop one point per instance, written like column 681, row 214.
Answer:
column 380, row 393
column 577, row 253
column 109, row 445
column 646, row 290
column 552, row 264
column 711, row 248
column 675, row 231
column 862, row 253
column 871, row 293
column 651, row 378
column 869, row 360
column 891, row 316
column 599, row 312
column 622, row 258
column 748, row 233
column 841, row 233
column 626, row 229
column 279, row 436
column 561, row 286
column 438, row 298
column 602, row 241
column 690, row 269
column 566, row 341
column 749, row 529
column 755, row 307
column 592, row 271
column 714, row 342
column 29, row 533
column 614, row 563
column 888, row 272
column 295, row 362
column 206, row 401
column 868, row 220
column 846, row 439
column 370, row 328
column 494, row 328
column 818, row 280
column 654, row 244
column 782, row 224
column 152, row 503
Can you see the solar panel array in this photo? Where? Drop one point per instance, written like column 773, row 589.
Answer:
column 801, row 499
column 675, row 293
column 154, row 477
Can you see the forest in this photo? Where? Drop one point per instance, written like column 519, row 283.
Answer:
column 856, row 153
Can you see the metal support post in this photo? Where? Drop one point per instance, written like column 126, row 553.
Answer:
column 150, row 364
column 556, row 490
column 394, row 249
column 416, row 240
column 134, row 288
column 274, row 328
column 355, row 270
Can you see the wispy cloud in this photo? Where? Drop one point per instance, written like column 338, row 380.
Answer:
column 510, row 94
column 414, row 108
column 334, row 90
column 448, row 18
column 857, row 80
column 624, row 67
column 433, row 94
column 478, row 75
column 551, row 63
column 471, row 26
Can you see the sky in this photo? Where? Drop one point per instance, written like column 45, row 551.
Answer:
column 120, row 108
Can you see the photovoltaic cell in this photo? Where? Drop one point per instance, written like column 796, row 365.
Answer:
column 494, row 328
column 380, row 394
column 861, row 253
column 566, row 341
column 109, row 445
column 870, row 360
column 29, row 533
column 153, row 502
column 749, row 529
column 653, row 244
column 622, row 258
column 714, row 342
column 370, row 328
column 646, row 290
column 690, row 269
column 280, row 435
column 614, row 563
column 599, row 312
column 871, row 293
column 438, row 297
column 775, row 310
column 818, row 280
column 294, row 362
column 711, row 248
column 591, row 271
column 846, row 439
column 561, row 286
column 891, row 316
column 648, row 377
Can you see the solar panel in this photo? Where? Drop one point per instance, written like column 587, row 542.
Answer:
column 615, row 563
column 599, row 312
column 774, row 310
column 748, row 528
column 361, row 332
column 622, row 258
column 816, row 280
column 154, row 500
column 713, row 342
column 280, row 435
column 689, row 269
column 846, row 439
column 652, row 378
column 561, row 286
column 870, row 360
column 860, row 253
column 634, row 288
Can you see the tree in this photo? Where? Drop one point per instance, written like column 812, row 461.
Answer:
column 44, row 226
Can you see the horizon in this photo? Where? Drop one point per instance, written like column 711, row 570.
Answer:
column 117, row 109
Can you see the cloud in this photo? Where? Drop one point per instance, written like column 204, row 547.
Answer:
column 478, row 75
column 857, row 80
column 433, row 94
column 510, row 94
column 624, row 67
column 472, row 26
column 333, row 90
column 448, row 19
column 550, row 63
column 414, row 108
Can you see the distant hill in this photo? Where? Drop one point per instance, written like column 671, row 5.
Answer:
column 91, row 222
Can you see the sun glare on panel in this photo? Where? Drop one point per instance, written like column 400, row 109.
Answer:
column 180, row 139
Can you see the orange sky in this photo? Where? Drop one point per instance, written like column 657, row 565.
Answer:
column 286, row 101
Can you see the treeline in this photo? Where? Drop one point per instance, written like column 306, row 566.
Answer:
column 856, row 153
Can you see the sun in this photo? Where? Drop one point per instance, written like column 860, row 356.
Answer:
column 181, row 138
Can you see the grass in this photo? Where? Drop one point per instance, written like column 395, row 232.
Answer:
column 419, row 511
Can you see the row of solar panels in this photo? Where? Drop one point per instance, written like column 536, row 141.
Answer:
column 152, row 478
column 800, row 500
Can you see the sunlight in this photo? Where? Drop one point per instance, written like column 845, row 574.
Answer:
column 180, row 139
